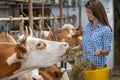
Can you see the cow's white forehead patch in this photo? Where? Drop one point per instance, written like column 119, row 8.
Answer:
column 69, row 26
column 46, row 33
column 12, row 59
column 80, row 38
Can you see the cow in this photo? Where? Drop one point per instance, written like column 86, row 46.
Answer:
column 67, row 33
column 4, row 37
column 30, row 53
column 51, row 73
column 32, row 75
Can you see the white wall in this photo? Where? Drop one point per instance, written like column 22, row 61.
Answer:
column 110, row 13
column 71, row 11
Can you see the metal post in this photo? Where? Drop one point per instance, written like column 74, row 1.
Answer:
column 61, row 7
column 21, row 25
column 42, row 14
column 79, row 13
column 30, row 14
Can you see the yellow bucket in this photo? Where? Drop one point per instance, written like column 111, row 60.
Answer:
column 98, row 74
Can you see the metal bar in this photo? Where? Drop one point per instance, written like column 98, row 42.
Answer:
column 26, row 1
column 21, row 28
column 42, row 13
column 79, row 6
column 26, row 18
column 30, row 14
column 61, row 7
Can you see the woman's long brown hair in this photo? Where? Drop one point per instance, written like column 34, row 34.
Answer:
column 98, row 11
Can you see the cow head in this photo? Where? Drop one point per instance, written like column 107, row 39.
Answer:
column 70, row 29
column 43, row 51
column 67, row 33
column 77, row 33
column 51, row 73
column 70, row 34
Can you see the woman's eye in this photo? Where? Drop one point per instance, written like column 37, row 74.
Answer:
column 38, row 44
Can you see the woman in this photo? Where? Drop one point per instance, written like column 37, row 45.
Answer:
column 97, row 34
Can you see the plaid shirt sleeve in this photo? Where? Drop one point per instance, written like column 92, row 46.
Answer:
column 107, row 39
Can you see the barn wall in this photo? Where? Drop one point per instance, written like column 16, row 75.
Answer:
column 110, row 13
column 5, row 13
column 71, row 11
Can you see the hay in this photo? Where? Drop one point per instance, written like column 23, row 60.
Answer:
column 78, row 65
column 73, row 56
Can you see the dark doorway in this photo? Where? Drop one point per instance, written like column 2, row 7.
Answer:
column 117, row 34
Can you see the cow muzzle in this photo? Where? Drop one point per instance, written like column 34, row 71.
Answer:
column 37, row 78
column 64, row 45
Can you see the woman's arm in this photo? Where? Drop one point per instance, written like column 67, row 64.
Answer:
column 101, row 52
column 107, row 40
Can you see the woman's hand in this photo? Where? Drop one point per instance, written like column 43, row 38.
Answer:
column 97, row 52
column 101, row 52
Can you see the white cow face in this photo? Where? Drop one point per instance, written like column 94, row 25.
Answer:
column 44, row 53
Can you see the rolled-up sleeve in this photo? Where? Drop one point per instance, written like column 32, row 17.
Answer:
column 107, row 39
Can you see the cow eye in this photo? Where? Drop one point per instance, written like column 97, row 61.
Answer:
column 41, row 45
column 38, row 44
column 77, row 29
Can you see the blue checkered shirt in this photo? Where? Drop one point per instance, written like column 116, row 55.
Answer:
column 99, row 38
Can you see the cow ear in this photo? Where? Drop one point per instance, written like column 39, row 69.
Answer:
column 43, row 69
column 57, row 74
column 21, row 51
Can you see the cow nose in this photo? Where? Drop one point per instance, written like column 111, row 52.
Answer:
column 64, row 45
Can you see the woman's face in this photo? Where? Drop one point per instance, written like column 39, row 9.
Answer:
column 90, row 15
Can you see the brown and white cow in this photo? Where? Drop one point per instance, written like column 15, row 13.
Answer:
column 29, row 54
column 54, row 73
column 51, row 73
column 32, row 75
column 6, row 38
column 67, row 33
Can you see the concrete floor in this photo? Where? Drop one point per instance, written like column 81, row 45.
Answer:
column 114, row 75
